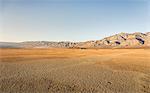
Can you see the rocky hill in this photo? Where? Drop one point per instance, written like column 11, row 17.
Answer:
column 121, row 40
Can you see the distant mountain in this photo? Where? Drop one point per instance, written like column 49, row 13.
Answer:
column 121, row 40
column 10, row 45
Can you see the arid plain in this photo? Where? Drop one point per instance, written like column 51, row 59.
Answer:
column 74, row 70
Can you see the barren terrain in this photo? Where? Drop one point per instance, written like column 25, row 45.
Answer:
column 74, row 70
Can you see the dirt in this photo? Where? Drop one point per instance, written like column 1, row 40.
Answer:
column 74, row 71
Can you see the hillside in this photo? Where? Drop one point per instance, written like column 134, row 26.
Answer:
column 121, row 40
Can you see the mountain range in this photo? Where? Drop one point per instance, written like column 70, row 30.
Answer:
column 121, row 40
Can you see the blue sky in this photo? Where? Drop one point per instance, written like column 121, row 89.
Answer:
column 71, row 20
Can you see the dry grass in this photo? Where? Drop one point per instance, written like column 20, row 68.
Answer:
column 74, row 71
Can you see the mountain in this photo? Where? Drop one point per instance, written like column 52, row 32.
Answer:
column 9, row 45
column 121, row 40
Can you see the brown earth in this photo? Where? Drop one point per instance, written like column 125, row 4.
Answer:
column 74, row 70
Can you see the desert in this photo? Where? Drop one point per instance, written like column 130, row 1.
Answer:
column 74, row 46
column 58, row 70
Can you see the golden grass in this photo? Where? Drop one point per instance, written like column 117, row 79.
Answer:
column 75, row 70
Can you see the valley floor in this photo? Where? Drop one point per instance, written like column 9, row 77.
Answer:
column 74, row 70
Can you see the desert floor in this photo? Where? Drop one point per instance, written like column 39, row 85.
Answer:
column 74, row 70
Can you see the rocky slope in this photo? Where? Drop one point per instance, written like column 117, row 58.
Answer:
column 121, row 40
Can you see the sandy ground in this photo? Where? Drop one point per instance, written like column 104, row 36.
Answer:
column 74, row 71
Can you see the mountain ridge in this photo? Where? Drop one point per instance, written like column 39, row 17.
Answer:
column 121, row 40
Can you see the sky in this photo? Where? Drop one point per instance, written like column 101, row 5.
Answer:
column 71, row 20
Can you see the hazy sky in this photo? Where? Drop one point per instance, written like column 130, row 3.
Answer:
column 71, row 20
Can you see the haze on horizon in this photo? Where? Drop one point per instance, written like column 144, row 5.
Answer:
column 71, row 20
